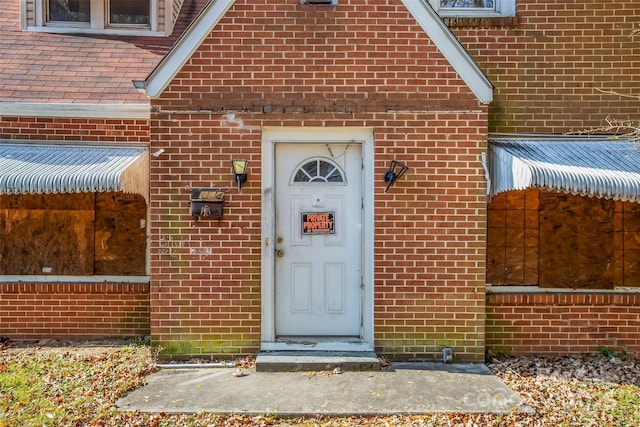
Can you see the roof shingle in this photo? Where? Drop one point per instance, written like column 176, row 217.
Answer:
column 66, row 68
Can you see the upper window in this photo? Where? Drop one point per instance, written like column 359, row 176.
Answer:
column 118, row 12
column 472, row 8
column 125, row 17
column 128, row 12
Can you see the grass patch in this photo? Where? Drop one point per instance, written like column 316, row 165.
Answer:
column 624, row 408
column 64, row 387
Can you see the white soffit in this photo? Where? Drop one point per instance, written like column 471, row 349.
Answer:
column 72, row 110
column 50, row 168
column 608, row 169
column 424, row 14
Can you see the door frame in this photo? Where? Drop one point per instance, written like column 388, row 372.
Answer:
column 310, row 135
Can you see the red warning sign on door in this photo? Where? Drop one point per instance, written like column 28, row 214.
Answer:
column 318, row 223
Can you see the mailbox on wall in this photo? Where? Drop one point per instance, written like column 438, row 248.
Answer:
column 207, row 202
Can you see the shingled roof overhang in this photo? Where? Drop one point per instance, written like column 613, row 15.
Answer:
column 606, row 168
column 51, row 168
column 421, row 10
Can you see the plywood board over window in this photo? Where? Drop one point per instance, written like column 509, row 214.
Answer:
column 513, row 236
column 631, row 243
column 47, row 235
column 120, row 234
column 576, row 242
column 72, row 234
column 557, row 240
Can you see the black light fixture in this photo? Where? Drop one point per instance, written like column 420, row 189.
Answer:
column 396, row 170
column 240, row 171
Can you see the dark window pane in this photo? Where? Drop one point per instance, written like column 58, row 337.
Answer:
column 467, row 3
column 301, row 176
column 326, row 169
column 311, row 168
column 335, row 176
column 129, row 12
column 70, row 10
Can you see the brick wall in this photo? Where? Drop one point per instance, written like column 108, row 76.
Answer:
column 33, row 311
column 74, row 129
column 563, row 323
column 430, row 239
column 430, row 246
column 549, row 64
column 356, row 65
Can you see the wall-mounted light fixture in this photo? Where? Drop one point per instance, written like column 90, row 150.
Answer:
column 240, row 171
column 396, row 170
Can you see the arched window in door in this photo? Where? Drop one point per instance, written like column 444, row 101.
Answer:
column 318, row 170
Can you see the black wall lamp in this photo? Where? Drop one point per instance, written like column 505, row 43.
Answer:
column 240, row 171
column 396, row 170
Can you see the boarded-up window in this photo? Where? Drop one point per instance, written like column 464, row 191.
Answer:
column 72, row 234
column 120, row 234
column 513, row 237
column 576, row 242
column 557, row 240
column 630, row 250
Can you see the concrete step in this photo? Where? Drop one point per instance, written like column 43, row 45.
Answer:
column 294, row 361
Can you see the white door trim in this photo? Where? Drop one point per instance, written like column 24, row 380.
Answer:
column 271, row 135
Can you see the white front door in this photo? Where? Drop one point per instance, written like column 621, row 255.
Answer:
column 318, row 276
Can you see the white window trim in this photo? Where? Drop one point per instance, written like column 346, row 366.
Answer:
column 98, row 24
column 502, row 8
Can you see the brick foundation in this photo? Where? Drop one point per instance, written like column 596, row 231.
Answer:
column 33, row 311
column 563, row 322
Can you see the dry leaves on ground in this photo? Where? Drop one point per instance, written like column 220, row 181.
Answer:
column 78, row 384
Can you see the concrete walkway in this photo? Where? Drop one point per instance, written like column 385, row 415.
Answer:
column 405, row 388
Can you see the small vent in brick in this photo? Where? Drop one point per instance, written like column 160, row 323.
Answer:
column 320, row 2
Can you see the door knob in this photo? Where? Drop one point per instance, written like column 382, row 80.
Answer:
column 280, row 253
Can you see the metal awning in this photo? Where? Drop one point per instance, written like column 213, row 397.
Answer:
column 51, row 168
column 607, row 169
